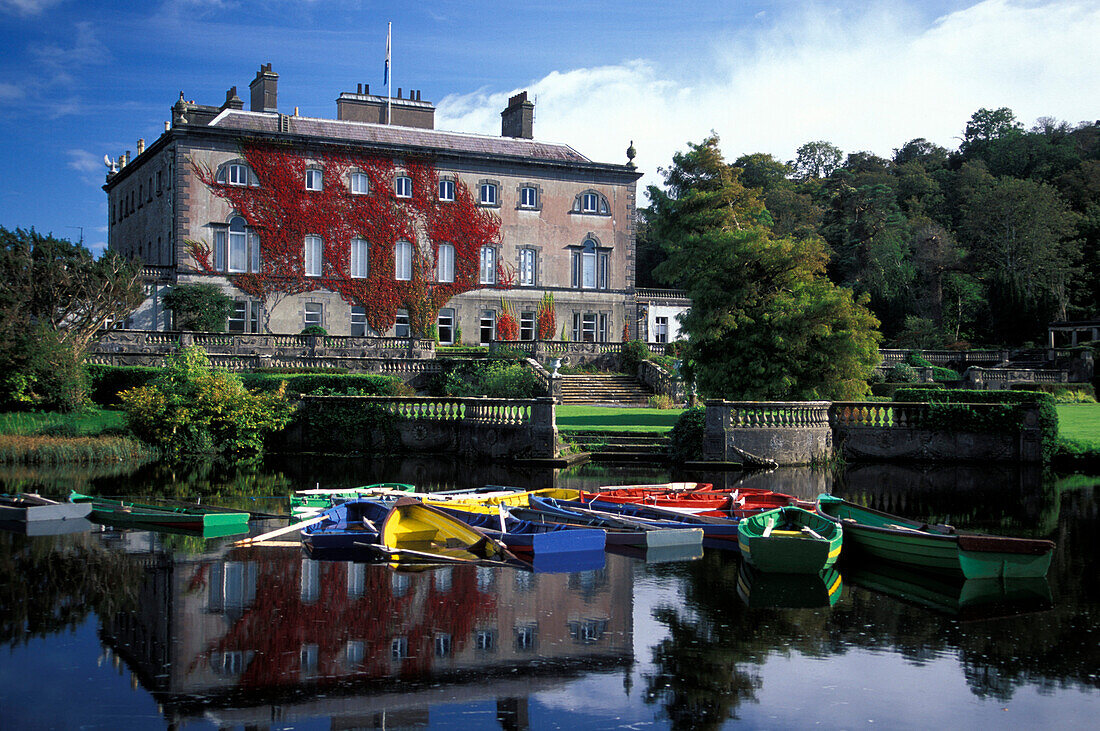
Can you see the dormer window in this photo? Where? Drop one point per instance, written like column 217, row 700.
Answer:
column 403, row 186
column 359, row 184
column 314, row 179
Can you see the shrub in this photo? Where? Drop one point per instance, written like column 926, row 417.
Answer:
column 662, row 401
column 944, row 375
column 341, row 426
column 193, row 409
column 363, row 384
column 314, row 330
column 675, row 349
column 511, row 381
column 633, row 353
column 45, row 374
column 902, row 373
column 686, row 437
column 107, row 382
column 200, row 307
column 917, row 360
column 951, row 411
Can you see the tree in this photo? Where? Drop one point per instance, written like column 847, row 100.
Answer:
column 1019, row 235
column 816, row 160
column 56, row 298
column 765, row 322
column 199, row 307
column 761, row 170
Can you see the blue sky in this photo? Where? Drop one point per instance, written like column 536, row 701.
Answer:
column 83, row 78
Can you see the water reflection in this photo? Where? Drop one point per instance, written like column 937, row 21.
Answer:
column 264, row 636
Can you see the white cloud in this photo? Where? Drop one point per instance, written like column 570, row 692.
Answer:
column 9, row 92
column 85, row 162
column 63, row 63
column 867, row 81
column 27, row 7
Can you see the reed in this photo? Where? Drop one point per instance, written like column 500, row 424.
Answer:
column 49, row 450
column 82, row 424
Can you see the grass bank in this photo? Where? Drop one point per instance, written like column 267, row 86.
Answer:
column 1078, row 436
column 92, row 437
column 579, row 417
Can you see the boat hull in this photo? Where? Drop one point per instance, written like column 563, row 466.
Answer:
column 790, row 540
column 127, row 514
column 937, row 548
column 31, row 508
column 535, row 538
column 346, row 527
column 412, row 527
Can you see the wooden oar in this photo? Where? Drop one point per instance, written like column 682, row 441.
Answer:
column 903, row 527
column 813, row 533
column 278, row 532
column 768, row 528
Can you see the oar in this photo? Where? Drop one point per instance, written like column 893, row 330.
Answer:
column 812, row 532
column 278, row 532
column 768, row 528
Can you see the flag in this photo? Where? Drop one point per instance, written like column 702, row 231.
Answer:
column 386, row 72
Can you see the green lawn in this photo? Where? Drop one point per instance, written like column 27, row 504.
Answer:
column 1080, row 422
column 89, row 423
column 578, row 417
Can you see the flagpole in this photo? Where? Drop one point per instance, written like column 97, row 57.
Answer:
column 389, row 72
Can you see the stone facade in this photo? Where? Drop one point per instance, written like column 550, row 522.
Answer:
column 158, row 204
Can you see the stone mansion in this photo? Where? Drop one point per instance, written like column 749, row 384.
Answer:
column 334, row 222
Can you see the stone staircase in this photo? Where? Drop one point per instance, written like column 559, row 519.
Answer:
column 603, row 389
column 621, row 446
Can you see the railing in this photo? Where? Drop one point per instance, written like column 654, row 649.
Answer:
column 144, row 341
column 543, row 376
column 660, row 294
column 771, row 414
column 1016, row 375
column 942, row 357
column 897, row 415
column 661, row 381
column 484, row 411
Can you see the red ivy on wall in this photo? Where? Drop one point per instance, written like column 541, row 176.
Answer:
column 282, row 212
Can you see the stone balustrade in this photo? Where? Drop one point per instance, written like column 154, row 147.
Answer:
column 788, row 432
column 961, row 358
column 661, row 381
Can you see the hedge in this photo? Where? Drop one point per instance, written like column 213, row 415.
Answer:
column 950, row 410
column 362, row 384
column 106, row 382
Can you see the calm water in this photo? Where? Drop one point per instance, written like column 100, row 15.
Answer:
column 109, row 629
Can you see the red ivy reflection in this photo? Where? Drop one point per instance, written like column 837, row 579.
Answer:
column 283, row 213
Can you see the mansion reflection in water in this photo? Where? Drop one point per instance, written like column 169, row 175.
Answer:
column 255, row 635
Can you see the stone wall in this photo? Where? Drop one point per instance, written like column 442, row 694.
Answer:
column 474, row 428
column 787, row 432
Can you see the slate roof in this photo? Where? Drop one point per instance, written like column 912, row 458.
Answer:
column 384, row 134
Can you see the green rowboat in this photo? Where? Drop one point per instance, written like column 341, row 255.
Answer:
column 315, row 502
column 938, row 548
column 789, row 540
column 124, row 513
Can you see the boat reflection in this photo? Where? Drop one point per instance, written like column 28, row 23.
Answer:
column 759, row 589
column 968, row 599
column 252, row 634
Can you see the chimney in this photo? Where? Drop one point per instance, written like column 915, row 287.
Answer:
column 264, row 90
column 518, row 120
column 141, row 145
column 232, row 101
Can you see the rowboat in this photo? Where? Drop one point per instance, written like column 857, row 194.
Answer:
column 759, row 589
column 124, row 513
column 46, row 527
column 522, row 536
column 304, row 503
column 717, row 532
column 29, row 508
column 716, row 503
column 346, row 526
column 790, row 540
column 938, row 548
column 413, row 529
column 620, row 531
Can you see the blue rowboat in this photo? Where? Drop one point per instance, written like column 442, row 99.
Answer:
column 720, row 533
column 620, row 532
column 534, row 538
column 347, row 526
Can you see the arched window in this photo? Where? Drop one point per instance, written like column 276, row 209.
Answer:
column 313, row 256
column 402, row 261
column 591, row 266
column 236, row 172
column 359, row 257
column 359, row 183
column 592, row 203
column 446, row 264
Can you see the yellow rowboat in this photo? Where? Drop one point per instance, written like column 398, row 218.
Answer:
column 490, row 503
column 420, row 529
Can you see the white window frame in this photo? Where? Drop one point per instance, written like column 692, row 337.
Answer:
column 488, row 265
column 445, row 266
column 315, row 179
column 528, row 325
column 403, row 186
column 527, row 258
column 313, row 264
column 402, row 261
column 660, row 330
column 237, row 259
column 313, row 313
column 359, row 183
column 401, row 325
column 357, row 325
column 447, row 190
column 528, row 197
column 488, row 194
column 445, row 326
column 488, row 327
column 359, row 258
column 237, row 174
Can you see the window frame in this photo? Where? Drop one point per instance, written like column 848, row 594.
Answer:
column 315, row 179
column 445, row 263
column 358, row 176
column 488, row 265
column 532, row 192
column 599, row 207
column 401, row 328
column 316, row 257
column 402, row 261
column 446, row 330
column 358, row 258
column 312, row 311
column 357, row 320
column 446, row 190
column 485, row 187
column 400, row 184
column 528, row 266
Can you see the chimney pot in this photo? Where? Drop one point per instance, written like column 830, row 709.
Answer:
column 141, row 145
column 360, row 91
column 399, row 92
